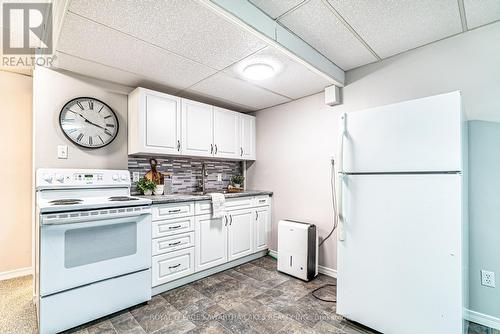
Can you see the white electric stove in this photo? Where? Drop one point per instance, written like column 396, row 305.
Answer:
column 93, row 246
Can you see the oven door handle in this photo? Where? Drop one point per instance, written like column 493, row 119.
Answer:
column 92, row 221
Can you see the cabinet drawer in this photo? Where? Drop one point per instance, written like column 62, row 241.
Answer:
column 174, row 210
column 171, row 266
column 172, row 243
column 205, row 207
column 262, row 200
column 162, row 228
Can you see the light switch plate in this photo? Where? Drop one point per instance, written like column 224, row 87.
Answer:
column 62, row 151
column 219, row 177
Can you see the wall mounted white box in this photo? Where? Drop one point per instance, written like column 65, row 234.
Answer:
column 332, row 95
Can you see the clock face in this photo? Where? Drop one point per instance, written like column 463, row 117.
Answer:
column 88, row 122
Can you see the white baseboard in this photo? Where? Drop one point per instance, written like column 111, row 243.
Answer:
column 16, row 273
column 482, row 319
column 321, row 269
column 327, row 271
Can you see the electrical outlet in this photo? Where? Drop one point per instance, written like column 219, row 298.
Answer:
column 219, row 177
column 488, row 278
column 135, row 176
column 62, row 151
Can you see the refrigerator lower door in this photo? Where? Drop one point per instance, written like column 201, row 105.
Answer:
column 400, row 265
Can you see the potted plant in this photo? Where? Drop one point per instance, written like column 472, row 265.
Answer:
column 237, row 180
column 146, row 186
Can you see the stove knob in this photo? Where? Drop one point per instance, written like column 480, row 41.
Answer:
column 115, row 177
column 124, row 177
column 60, row 178
column 48, row 177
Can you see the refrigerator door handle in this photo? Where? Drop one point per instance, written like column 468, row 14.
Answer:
column 343, row 132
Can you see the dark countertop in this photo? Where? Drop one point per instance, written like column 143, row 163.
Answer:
column 176, row 198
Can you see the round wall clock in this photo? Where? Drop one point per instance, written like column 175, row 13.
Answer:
column 88, row 122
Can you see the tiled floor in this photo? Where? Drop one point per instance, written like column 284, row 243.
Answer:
column 251, row 298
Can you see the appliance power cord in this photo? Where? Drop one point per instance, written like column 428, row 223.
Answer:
column 335, row 223
column 333, row 187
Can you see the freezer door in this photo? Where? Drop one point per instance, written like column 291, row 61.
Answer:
column 400, row 265
column 417, row 135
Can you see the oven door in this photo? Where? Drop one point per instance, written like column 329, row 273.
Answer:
column 84, row 252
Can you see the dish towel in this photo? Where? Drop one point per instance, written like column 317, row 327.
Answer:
column 218, row 205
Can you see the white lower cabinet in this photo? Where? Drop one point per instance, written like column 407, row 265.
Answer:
column 261, row 227
column 186, row 239
column 240, row 233
column 171, row 266
column 210, row 242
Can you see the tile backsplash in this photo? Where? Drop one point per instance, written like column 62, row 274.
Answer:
column 186, row 172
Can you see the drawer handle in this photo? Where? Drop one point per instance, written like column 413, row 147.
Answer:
column 174, row 243
column 174, row 227
column 174, row 211
column 262, row 201
column 173, row 267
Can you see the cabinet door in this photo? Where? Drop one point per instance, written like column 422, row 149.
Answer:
column 210, row 242
column 226, row 133
column 154, row 122
column 197, row 129
column 163, row 124
column 247, row 137
column 261, row 227
column 240, row 233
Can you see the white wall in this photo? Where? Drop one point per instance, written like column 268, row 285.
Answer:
column 15, row 147
column 51, row 91
column 295, row 140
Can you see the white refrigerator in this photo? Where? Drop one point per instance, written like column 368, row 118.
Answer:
column 402, row 249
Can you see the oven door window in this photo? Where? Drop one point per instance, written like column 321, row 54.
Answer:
column 84, row 246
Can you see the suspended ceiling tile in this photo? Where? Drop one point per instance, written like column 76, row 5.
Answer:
column 95, row 70
column 316, row 24
column 292, row 79
column 185, row 27
column 88, row 40
column 481, row 12
column 226, row 88
column 392, row 27
column 275, row 8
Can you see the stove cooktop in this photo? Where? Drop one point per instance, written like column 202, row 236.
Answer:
column 89, row 203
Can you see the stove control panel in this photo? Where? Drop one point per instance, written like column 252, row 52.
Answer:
column 54, row 178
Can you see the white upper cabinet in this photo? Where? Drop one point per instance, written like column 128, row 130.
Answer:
column 197, row 129
column 226, row 133
column 153, row 123
column 162, row 124
column 247, row 137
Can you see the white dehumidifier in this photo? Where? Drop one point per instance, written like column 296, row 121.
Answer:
column 298, row 249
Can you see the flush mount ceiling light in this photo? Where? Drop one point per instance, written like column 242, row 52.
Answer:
column 258, row 71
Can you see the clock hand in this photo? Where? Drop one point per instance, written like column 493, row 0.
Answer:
column 106, row 131
column 87, row 121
